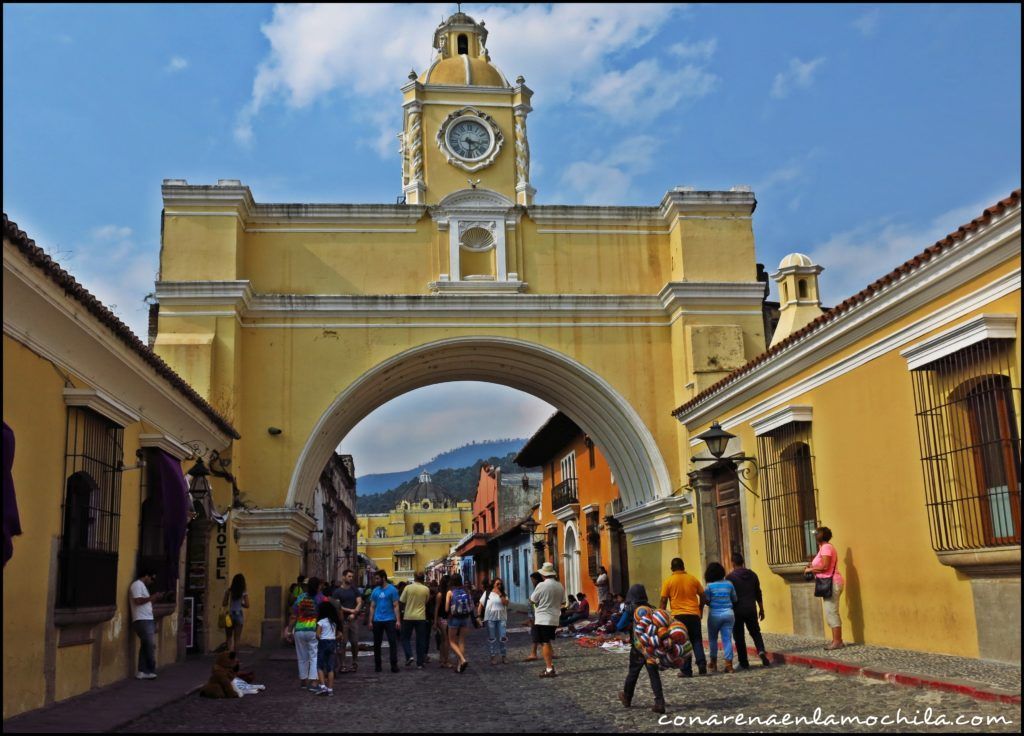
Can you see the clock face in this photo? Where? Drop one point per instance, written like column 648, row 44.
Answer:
column 469, row 139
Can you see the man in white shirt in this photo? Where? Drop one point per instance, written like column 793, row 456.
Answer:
column 547, row 598
column 143, row 623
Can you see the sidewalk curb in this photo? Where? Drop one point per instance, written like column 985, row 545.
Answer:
column 894, row 678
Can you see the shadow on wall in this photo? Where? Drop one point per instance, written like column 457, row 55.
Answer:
column 854, row 605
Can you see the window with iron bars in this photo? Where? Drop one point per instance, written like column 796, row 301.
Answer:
column 789, row 496
column 87, row 558
column 968, row 413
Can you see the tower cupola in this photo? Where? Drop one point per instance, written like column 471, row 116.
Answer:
column 799, row 299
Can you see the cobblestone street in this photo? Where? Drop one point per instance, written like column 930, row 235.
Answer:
column 512, row 698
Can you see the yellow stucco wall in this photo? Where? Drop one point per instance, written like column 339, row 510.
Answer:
column 34, row 408
column 871, row 494
column 455, row 524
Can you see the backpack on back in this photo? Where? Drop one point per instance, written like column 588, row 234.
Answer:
column 462, row 604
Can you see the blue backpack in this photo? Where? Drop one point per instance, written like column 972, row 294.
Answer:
column 462, row 604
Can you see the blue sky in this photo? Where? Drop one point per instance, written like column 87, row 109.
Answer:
column 867, row 132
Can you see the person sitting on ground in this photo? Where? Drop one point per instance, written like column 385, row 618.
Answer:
column 580, row 613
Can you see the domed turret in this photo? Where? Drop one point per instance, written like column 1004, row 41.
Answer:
column 462, row 57
column 799, row 300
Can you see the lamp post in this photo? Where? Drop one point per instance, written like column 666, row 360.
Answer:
column 199, row 488
column 717, row 440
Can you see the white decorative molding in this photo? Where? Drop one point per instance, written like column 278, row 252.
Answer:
column 982, row 327
column 477, row 287
column 170, row 445
column 273, row 530
column 102, row 403
column 647, row 218
column 237, row 294
column 567, row 513
column 583, row 231
column 590, row 507
column 711, row 204
column 676, row 294
column 976, row 254
column 781, row 418
column 657, row 521
column 551, row 525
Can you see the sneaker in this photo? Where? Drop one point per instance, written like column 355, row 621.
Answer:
column 150, row 675
column 549, row 673
column 408, row 662
column 419, row 666
column 141, row 676
column 314, row 688
column 322, row 690
column 764, row 659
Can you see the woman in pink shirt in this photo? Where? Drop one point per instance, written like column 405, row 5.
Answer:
column 825, row 565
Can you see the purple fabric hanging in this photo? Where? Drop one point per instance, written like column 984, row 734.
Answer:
column 12, row 522
column 175, row 498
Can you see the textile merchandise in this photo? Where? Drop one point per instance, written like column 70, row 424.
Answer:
column 660, row 639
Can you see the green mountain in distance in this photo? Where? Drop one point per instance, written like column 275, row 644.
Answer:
column 460, row 482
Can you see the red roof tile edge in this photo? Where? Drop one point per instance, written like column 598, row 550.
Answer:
column 831, row 315
column 38, row 258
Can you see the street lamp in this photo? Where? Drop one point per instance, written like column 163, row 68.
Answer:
column 717, row 439
column 199, row 489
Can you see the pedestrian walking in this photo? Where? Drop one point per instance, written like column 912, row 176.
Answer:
column 548, row 597
column 143, row 623
column 828, row 583
column 297, row 589
column 414, row 620
column 441, row 622
column 460, row 614
column 386, row 619
column 301, row 629
column 638, row 659
column 494, row 612
column 721, row 598
column 236, row 598
column 603, row 587
column 536, row 579
column 749, row 610
column 682, row 595
column 350, row 604
column 328, row 626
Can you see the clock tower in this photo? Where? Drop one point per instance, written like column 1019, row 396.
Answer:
column 465, row 124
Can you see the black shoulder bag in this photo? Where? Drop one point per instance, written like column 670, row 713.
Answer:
column 823, row 586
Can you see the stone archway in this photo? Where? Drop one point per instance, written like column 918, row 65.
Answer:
column 545, row 373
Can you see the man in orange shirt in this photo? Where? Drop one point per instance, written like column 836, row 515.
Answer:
column 682, row 595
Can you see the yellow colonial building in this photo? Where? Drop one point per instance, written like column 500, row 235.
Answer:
column 895, row 420
column 424, row 526
column 98, row 432
column 304, row 318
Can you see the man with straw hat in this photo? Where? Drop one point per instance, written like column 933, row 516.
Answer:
column 547, row 598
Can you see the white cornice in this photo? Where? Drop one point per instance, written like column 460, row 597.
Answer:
column 273, row 530
column 567, row 513
column 101, row 403
column 677, row 294
column 479, row 288
column 978, row 253
column 681, row 203
column 639, row 217
column 168, row 444
column 657, row 521
column 781, row 418
column 236, row 294
column 982, row 327
column 471, row 90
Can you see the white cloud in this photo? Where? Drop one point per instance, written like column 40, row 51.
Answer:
column 855, row 258
column 867, row 24
column 800, row 75
column 176, row 64
column 366, row 51
column 447, row 416
column 646, row 89
column 697, row 50
column 792, row 171
column 609, row 179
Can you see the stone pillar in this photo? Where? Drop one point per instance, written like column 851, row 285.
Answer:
column 524, row 192
column 415, row 190
column 270, row 543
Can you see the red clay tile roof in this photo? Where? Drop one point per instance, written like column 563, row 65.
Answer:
column 833, row 314
column 38, row 258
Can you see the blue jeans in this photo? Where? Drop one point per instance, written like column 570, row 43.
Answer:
column 422, row 630
column 146, row 630
column 721, row 622
column 496, row 638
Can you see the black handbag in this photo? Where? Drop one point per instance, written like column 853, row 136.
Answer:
column 823, row 586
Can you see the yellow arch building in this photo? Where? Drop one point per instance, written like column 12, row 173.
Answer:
column 307, row 317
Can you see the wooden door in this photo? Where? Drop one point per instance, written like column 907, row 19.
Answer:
column 730, row 520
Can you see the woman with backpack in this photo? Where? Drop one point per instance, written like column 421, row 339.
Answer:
column 493, row 610
column 459, row 604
